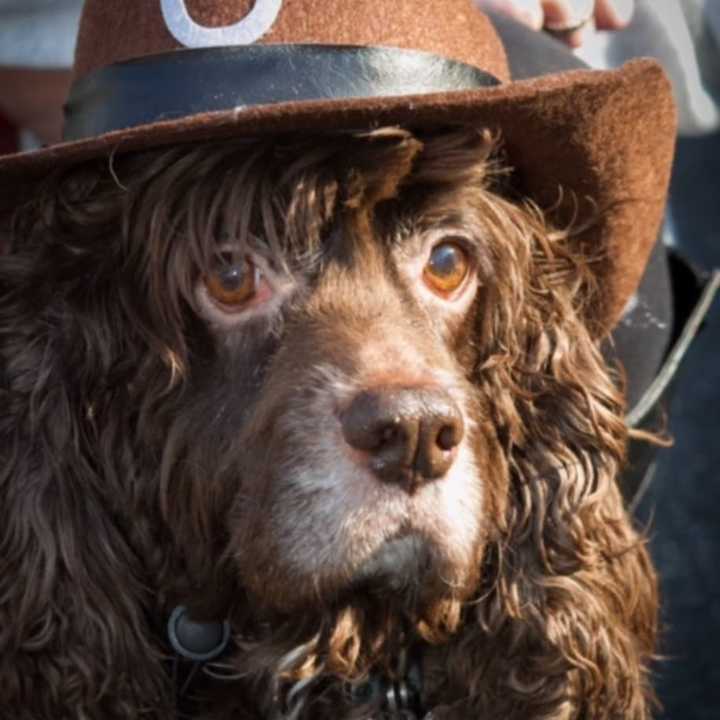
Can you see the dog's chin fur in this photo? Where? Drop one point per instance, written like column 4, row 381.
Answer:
column 409, row 571
column 415, row 572
column 157, row 449
column 407, row 581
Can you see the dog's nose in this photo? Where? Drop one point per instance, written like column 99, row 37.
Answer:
column 410, row 435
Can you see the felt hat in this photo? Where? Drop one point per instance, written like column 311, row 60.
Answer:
column 150, row 73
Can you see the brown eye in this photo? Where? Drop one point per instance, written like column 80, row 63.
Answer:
column 447, row 268
column 233, row 285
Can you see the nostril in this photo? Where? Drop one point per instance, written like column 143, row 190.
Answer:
column 442, row 433
column 449, row 437
column 389, row 434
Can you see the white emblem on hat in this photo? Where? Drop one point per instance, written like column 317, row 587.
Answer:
column 251, row 28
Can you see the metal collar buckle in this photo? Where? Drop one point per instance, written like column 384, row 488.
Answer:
column 402, row 697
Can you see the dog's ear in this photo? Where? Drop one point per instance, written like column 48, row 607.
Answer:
column 569, row 603
column 73, row 631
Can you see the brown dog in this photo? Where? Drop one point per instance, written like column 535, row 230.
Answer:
column 338, row 390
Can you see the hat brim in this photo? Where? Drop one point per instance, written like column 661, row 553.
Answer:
column 579, row 142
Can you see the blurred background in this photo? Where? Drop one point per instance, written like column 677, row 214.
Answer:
column 682, row 505
column 681, row 502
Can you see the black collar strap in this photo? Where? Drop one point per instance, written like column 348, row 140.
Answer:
column 202, row 642
column 182, row 83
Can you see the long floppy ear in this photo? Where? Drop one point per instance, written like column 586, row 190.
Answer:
column 73, row 635
column 565, row 624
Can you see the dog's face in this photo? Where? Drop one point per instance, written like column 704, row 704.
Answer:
column 357, row 457
column 364, row 463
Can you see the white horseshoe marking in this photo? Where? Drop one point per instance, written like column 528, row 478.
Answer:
column 251, row 28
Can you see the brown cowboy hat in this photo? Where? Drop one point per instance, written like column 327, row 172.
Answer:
column 157, row 72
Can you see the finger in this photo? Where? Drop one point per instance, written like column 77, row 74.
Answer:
column 570, row 21
column 561, row 14
column 614, row 14
column 577, row 38
column 528, row 12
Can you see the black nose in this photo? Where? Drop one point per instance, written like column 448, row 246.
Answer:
column 411, row 435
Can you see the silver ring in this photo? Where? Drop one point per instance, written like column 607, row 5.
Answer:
column 584, row 16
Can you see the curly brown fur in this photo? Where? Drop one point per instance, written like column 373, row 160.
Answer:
column 149, row 457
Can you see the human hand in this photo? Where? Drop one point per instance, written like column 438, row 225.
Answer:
column 571, row 21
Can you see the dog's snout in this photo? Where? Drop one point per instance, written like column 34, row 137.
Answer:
column 410, row 435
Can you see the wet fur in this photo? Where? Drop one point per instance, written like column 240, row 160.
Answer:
column 132, row 437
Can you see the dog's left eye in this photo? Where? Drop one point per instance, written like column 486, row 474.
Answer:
column 447, row 268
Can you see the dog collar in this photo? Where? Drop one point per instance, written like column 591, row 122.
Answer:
column 402, row 697
column 199, row 643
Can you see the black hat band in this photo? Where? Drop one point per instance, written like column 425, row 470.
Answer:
column 182, row 83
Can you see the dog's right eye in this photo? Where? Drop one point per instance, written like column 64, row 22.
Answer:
column 236, row 289
column 233, row 285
